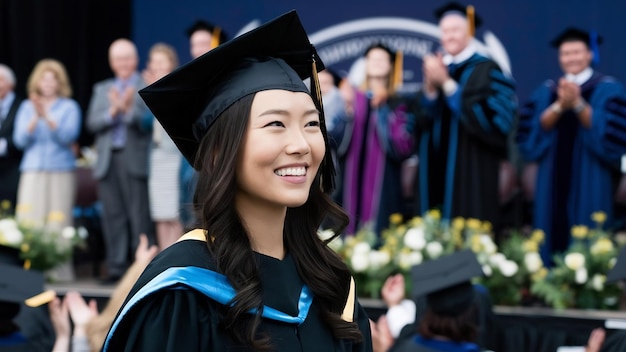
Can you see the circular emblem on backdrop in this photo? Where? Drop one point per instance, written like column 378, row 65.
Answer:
column 341, row 46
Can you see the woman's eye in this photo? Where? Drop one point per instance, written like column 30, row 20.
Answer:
column 275, row 124
column 313, row 123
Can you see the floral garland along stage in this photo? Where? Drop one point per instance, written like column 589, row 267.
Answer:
column 40, row 249
column 514, row 271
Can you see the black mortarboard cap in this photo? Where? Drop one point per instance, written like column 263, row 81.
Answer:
column 10, row 256
column 275, row 55
column 572, row 34
column 446, row 282
column 202, row 25
column 17, row 285
column 456, row 8
column 618, row 271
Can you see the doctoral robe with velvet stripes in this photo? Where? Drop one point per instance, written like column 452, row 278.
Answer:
column 462, row 139
column 578, row 168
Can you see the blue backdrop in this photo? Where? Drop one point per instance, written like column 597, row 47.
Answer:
column 523, row 28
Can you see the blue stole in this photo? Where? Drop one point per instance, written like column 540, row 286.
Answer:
column 213, row 285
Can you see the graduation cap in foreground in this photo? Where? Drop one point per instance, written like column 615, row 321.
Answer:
column 474, row 21
column 23, row 286
column 276, row 55
column 446, row 282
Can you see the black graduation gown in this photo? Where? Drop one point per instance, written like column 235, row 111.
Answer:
column 462, row 139
column 187, row 320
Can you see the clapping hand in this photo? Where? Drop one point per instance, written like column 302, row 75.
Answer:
column 393, row 290
column 568, row 93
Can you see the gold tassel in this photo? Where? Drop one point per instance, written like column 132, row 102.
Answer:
column 27, row 264
column 470, row 20
column 398, row 71
column 215, row 37
column 315, row 85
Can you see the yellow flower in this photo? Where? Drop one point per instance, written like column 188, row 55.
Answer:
column 395, row 218
column 602, row 246
column 473, row 224
column 599, row 217
column 475, row 240
column 540, row 274
column 416, row 221
column 530, row 246
column 23, row 208
column 56, row 216
column 486, row 226
column 434, row 213
column 458, row 223
column 401, row 229
column 5, row 204
column 580, row 231
column 538, row 236
column 25, row 247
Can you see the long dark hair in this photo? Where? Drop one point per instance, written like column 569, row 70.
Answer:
column 458, row 328
column 320, row 268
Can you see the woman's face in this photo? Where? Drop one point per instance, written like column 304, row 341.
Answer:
column 282, row 150
column 48, row 85
column 160, row 64
column 378, row 63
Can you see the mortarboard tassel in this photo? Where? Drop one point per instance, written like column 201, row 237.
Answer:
column 595, row 49
column 470, row 20
column 327, row 181
column 398, row 71
column 215, row 37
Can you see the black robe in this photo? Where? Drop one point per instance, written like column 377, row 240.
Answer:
column 183, row 319
column 462, row 139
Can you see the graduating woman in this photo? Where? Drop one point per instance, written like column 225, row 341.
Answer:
column 256, row 276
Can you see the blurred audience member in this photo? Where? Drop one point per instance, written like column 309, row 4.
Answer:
column 165, row 159
column 90, row 328
column 10, row 155
column 115, row 115
column 469, row 112
column 377, row 138
column 570, row 128
column 203, row 37
column 46, row 127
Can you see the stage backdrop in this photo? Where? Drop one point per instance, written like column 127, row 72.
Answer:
column 515, row 33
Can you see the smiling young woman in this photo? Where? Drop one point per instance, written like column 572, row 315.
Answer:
column 256, row 276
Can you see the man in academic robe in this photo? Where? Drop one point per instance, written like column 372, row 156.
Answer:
column 469, row 108
column 574, row 128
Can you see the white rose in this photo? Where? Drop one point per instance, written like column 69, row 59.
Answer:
column 575, row 261
column 490, row 248
column 533, row 262
column 597, row 282
column 581, row 276
column 414, row 238
column 83, row 233
column 487, row 270
column 416, row 258
column 325, row 234
column 68, row 232
column 508, row 268
column 8, row 225
column 497, row 259
column 378, row 259
column 360, row 262
column 362, row 248
column 13, row 236
column 434, row 249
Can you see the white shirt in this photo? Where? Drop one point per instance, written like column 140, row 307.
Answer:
column 465, row 54
column 581, row 77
